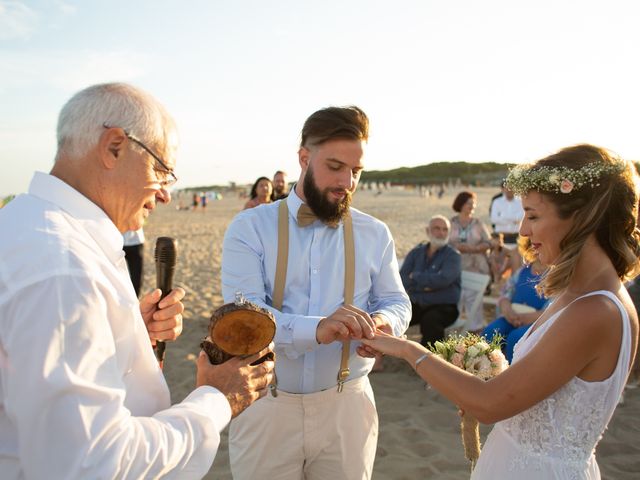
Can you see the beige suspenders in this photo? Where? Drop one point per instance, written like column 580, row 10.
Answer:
column 349, row 286
column 283, row 255
column 349, row 275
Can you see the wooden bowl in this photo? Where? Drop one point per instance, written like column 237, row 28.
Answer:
column 239, row 329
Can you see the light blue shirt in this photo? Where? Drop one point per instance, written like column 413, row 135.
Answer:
column 314, row 287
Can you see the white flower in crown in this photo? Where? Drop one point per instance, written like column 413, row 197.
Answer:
column 566, row 186
column 554, row 178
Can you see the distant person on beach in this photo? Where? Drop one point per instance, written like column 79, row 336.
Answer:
column 134, row 255
column 472, row 239
column 431, row 276
column 82, row 394
column 333, row 281
column 553, row 404
column 195, row 203
column 204, row 199
column 280, row 186
column 506, row 214
column 260, row 193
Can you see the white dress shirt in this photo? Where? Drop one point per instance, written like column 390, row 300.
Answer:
column 314, row 286
column 81, row 393
column 133, row 237
column 506, row 215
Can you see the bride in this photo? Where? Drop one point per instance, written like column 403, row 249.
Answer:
column 555, row 401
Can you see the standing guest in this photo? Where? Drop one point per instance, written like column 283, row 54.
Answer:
column 134, row 255
column 260, row 193
column 338, row 281
column 493, row 199
column 280, row 186
column 472, row 239
column 506, row 215
column 553, row 404
column 82, row 394
column 431, row 276
column 204, row 199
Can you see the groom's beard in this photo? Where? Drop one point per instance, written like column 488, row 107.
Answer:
column 319, row 202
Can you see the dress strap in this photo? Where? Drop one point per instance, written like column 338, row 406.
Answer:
column 625, row 342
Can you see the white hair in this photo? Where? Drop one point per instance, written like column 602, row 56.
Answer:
column 82, row 119
column 440, row 217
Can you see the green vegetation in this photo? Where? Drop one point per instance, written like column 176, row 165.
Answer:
column 488, row 173
column 478, row 174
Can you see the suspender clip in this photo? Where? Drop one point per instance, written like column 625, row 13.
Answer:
column 274, row 389
column 343, row 374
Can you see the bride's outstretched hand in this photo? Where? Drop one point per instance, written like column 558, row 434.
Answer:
column 386, row 344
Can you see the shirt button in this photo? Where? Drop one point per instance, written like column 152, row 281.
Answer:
column 314, row 271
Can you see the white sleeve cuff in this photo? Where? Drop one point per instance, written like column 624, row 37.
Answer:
column 212, row 403
column 304, row 334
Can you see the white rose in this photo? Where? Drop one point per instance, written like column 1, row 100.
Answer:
column 484, row 368
column 473, row 351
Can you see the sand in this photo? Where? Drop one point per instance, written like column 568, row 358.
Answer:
column 419, row 429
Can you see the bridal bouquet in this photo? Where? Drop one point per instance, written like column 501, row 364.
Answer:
column 481, row 358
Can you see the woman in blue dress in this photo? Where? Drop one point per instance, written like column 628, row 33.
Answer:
column 520, row 304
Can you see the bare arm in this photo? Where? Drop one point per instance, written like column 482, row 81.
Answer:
column 583, row 342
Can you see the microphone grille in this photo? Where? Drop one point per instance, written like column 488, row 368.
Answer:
column 165, row 251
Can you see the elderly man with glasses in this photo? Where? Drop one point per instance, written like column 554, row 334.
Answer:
column 81, row 393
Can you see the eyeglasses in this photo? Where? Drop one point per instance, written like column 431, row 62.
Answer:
column 169, row 177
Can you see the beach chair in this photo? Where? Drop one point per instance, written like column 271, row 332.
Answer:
column 477, row 282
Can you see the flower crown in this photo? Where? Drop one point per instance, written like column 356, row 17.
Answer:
column 524, row 178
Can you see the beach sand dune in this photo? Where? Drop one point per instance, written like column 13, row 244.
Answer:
column 419, row 429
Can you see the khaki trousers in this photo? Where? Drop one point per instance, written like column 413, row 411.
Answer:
column 317, row 436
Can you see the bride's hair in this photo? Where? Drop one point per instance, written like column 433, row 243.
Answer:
column 607, row 207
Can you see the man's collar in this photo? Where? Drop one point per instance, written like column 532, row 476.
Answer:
column 293, row 203
column 95, row 220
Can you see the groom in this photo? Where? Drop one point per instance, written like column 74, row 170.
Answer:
column 320, row 425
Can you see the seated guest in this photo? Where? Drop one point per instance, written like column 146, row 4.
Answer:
column 471, row 238
column 260, row 193
column 520, row 303
column 503, row 261
column 431, row 276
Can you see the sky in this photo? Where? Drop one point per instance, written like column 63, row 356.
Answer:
column 449, row 80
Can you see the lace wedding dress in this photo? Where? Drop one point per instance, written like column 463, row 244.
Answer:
column 556, row 438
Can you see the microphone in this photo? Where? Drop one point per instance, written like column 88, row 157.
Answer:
column 165, row 256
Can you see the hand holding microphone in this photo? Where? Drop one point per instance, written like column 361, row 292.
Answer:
column 162, row 308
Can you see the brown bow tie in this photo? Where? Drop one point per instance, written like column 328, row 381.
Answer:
column 306, row 217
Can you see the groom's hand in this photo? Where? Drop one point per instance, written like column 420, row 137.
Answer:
column 345, row 323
